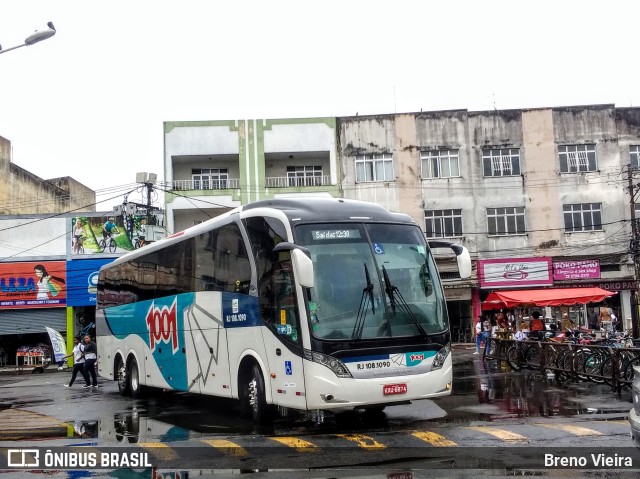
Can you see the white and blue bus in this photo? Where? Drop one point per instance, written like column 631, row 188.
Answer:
column 292, row 304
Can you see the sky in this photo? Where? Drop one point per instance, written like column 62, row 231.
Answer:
column 90, row 102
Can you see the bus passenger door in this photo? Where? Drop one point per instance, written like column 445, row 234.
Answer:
column 283, row 339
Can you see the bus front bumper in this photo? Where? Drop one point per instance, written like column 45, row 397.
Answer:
column 327, row 391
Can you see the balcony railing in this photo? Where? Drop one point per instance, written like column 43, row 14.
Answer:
column 186, row 185
column 287, row 182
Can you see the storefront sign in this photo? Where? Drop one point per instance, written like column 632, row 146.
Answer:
column 622, row 285
column 83, row 281
column 457, row 294
column 567, row 270
column 33, row 285
column 514, row 272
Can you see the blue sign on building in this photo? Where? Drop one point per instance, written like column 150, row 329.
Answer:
column 82, row 281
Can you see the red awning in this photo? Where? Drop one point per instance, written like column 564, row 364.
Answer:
column 545, row 297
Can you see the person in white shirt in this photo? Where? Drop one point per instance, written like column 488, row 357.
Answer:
column 78, row 362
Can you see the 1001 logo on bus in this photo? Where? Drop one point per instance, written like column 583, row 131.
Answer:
column 162, row 324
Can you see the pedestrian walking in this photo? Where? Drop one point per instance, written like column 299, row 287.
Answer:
column 90, row 358
column 478, row 330
column 78, row 362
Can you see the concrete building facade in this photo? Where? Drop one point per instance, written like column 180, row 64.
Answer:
column 22, row 192
column 539, row 196
column 213, row 166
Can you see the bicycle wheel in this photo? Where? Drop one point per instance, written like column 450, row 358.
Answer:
column 629, row 372
column 607, row 369
column 514, row 357
column 593, row 365
column 112, row 245
column 102, row 245
column 580, row 358
column 532, row 356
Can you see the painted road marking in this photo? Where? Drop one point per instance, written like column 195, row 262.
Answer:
column 576, row 430
column 365, row 442
column 159, row 450
column 433, row 438
column 500, row 433
column 227, row 447
column 299, row 445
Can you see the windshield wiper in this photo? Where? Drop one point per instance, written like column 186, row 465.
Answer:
column 367, row 296
column 397, row 301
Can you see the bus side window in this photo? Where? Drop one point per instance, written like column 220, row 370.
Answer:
column 224, row 263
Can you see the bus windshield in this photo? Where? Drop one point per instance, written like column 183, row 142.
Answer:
column 372, row 281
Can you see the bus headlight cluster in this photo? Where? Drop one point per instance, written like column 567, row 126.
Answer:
column 440, row 358
column 337, row 366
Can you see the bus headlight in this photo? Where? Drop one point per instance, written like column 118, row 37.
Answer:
column 440, row 357
column 337, row 366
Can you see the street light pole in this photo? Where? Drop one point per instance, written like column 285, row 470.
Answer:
column 34, row 38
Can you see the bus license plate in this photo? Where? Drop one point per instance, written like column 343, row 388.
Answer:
column 389, row 389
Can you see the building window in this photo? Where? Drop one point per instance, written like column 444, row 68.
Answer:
column 209, row 178
column 577, row 158
column 440, row 164
column 374, row 168
column 634, row 156
column 582, row 217
column 304, row 175
column 501, row 162
column 443, row 223
column 505, row 221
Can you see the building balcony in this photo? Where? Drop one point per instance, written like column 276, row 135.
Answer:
column 292, row 182
column 191, row 185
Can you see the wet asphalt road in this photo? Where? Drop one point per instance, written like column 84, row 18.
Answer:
column 490, row 407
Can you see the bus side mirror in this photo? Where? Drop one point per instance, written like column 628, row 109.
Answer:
column 303, row 268
column 301, row 261
column 462, row 256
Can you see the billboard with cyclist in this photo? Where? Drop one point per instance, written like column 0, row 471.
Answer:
column 108, row 234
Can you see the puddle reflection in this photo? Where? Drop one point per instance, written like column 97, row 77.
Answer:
column 497, row 392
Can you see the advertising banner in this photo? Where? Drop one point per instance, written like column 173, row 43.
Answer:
column 585, row 269
column 94, row 235
column 515, row 272
column 33, row 285
column 82, row 278
column 58, row 344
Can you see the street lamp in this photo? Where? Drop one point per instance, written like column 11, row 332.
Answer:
column 34, row 37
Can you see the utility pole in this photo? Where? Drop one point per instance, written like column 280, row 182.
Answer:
column 635, row 253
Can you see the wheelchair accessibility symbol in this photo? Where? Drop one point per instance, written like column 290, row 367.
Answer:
column 287, row 368
column 378, row 248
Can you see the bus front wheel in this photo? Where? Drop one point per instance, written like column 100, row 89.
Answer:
column 259, row 408
column 133, row 379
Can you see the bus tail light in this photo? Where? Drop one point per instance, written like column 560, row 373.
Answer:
column 440, row 357
column 337, row 366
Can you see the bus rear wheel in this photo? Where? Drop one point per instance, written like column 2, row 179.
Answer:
column 133, row 379
column 121, row 377
column 257, row 402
